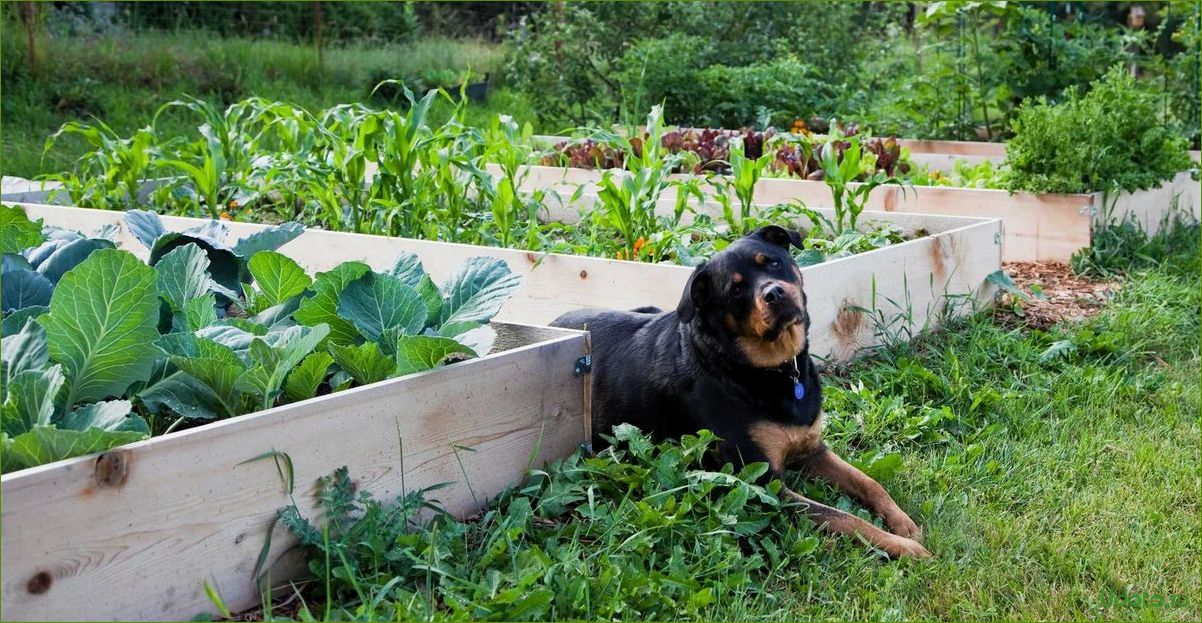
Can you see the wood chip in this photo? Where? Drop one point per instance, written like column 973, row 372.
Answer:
column 1054, row 294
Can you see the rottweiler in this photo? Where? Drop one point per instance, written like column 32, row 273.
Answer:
column 734, row 358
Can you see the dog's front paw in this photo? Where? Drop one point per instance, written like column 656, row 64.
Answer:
column 901, row 525
column 902, row 547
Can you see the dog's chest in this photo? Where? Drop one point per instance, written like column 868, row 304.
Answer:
column 781, row 443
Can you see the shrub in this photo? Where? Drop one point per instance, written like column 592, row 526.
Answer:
column 1112, row 137
column 588, row 61
column 772, row 93
column 676, row 71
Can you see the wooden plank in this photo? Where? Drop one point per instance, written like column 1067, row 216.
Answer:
column 993, row 151
column 947, row 162
column 187, row 507
column 1037, row 226
column 10, row 185
column 1152, row 209
column 967, row 251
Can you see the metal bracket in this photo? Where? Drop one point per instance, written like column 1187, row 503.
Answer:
column 997, row 238
column 1088, row 210
column 584, row 365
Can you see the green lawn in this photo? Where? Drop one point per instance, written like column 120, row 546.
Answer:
column 123, row 81
column 1048, row 469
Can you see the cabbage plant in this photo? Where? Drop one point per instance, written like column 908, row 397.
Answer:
column 101, row 348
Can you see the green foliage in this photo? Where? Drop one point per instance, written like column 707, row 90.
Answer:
column 415, row 353
column 124, row 76
column 984, row 174
column 347, row 21
column 1182, row 25
column 1111, row 138
column 703, row 89
column 17, row 232
column 774, row 92
column 377, row 303
column 1124, row 247
column 101, row 326
column 641, row 531
column 104, row 324
column 603, row 61
column 37, row 425
column 112, row 172
column 745, row 173
column 844, row 176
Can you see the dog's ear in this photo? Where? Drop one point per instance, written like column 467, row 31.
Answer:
column 779, row 236
column 695, row 294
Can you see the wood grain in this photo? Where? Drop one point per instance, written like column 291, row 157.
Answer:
column 192, row 509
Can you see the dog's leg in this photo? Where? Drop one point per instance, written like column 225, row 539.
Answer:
column 828, row 466
column 837, row 521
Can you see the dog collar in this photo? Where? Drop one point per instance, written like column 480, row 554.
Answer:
column 794, row 374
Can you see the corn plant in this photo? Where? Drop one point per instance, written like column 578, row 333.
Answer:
column 111, row 174
column 627, row 201
column 745, row 173
column 841, row 172
column 511, row 148
column 400, row 154
column 218, row 165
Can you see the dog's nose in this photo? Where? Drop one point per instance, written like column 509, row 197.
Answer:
column 773, row 293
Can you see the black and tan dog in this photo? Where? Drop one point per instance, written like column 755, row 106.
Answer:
column 734, row 358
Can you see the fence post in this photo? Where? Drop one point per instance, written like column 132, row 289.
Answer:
column 317, row 23
column 29, row 20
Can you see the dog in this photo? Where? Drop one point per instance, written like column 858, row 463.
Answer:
column 734, row 358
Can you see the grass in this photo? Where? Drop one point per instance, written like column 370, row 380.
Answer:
column 123, row 78
column 1049, row 470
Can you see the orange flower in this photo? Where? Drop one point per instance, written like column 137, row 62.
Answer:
column 638, row 245
column 225, row 216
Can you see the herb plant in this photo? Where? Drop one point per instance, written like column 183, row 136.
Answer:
column 1112, row 138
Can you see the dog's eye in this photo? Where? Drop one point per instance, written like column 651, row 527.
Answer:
column 737, row 289
column 773, row 263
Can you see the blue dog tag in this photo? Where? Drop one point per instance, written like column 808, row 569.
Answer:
column 799, row 390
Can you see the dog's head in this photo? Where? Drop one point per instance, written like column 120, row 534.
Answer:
column 749, row 298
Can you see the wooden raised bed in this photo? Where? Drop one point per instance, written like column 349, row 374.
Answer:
column 940, row 155
column 912, row 285
column 14, row 186
column 134, row 533
column 1038, row 226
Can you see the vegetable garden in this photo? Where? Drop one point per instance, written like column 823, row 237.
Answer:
column 294, row 362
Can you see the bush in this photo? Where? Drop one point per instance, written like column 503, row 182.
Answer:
column 1112, row 138
column 775, row 93
column 341, row 21
column 590, row 62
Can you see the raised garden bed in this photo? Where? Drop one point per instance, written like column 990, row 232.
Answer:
column 1037, row 226
column 940, row 155
column 856, row 302
column 19, row 186
column 136, row 532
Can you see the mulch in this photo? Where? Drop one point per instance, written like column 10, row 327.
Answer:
column 1054, row 294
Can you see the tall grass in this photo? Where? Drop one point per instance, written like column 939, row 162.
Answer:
column 123, row 78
